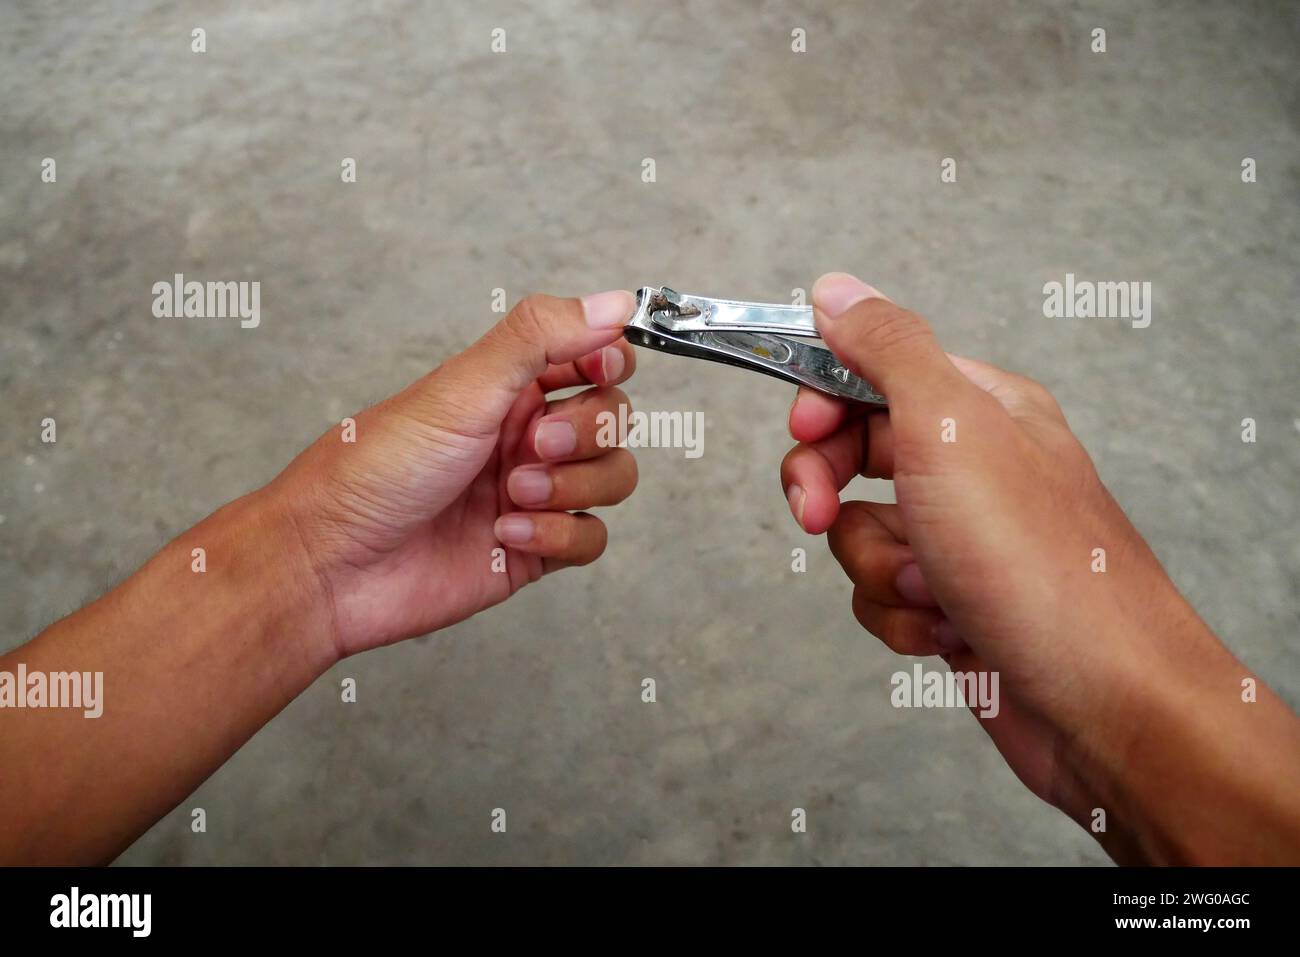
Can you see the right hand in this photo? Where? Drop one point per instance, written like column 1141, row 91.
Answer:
column 990, row 559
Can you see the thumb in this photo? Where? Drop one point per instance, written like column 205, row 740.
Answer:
column 891, row 348
column 478, row 386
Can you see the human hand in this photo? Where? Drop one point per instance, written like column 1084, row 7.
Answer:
column 355, row 544
column 1110, row 683
column 400, row 526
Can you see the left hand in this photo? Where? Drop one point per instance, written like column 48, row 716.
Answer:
column 400, row 527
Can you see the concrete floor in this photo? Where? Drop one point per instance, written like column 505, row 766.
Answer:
column 523, row 171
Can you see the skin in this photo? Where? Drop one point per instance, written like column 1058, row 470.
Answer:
column 1114, row 693
column 353, row 546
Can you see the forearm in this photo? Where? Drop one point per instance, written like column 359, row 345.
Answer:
column 1200, row 767
column 193, row 664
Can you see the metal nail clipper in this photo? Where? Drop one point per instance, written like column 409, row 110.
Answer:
column 750, row 335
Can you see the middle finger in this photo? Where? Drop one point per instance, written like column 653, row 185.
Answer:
column 580, row 427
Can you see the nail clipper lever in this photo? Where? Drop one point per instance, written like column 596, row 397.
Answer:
column 750, row 335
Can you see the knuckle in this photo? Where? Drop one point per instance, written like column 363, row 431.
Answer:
column 883, row 623
column 528, row 318
column 567, row 533
column 573, row 488
column 1075, row 457
column 896, row 328
column 867, row 614
column 1038, row 394
column 849, row 522
column 1031, row 395
column 848, row 548
column 611, row 397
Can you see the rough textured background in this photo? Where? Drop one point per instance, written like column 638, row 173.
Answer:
column 523, row 171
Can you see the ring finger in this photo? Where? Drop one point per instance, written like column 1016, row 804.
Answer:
column 605, row 480
column 574, row 539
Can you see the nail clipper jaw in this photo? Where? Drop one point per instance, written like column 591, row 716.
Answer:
column 652, row 325
column 670, row 310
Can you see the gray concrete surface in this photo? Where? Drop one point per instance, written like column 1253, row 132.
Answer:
column 522, row 171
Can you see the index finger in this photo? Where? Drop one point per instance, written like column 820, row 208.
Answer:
column 815, row 415
column 611, row 365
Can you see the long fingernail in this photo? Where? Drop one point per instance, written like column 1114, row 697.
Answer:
column 611, row 363
column 911, row 585
column 555, row 438
column 946, row 637
column 796, row 496
column 514, row 529
column 837, row 292
column 605, row 310
column 529, row 486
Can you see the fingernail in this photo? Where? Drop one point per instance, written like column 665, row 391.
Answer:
column 796, row 496
column 911, row 585
column 555, row 438
column 946, row 637
column 529, row 486
column 836, row 292
column 605, row 310
column 514, row 529
column 611, row 363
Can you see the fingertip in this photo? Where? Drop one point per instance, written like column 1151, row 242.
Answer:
column 530, row 486
column 947, row 637
column 629, row 361
column 604, row 366
column 815, row 415
column 814, row 502
column 608, row 310
column 607, row 366
column 820, row 510
column 514, row 529
column 912, row 587
column 795, row 497
column 836, row 292
column 572, row 537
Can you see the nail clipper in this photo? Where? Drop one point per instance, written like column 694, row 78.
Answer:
column 750, row 335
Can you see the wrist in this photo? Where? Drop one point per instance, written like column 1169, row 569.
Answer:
column 253, row 576
column 292, row 593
